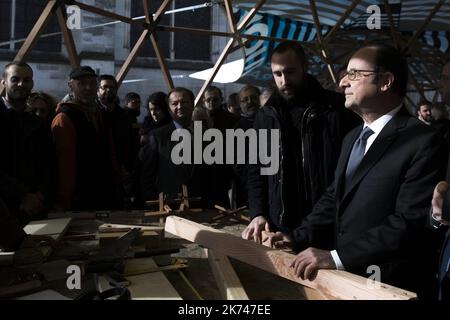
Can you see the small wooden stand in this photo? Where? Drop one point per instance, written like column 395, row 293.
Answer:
column 165, row 210
column 232, row 213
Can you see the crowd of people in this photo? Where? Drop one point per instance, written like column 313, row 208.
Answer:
column 355, row 182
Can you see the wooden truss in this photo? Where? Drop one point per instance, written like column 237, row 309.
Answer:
column 151, row 27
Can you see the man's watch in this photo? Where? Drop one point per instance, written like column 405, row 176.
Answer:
column 435, row 222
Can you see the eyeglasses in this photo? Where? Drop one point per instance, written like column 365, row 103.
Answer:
column 354, row 74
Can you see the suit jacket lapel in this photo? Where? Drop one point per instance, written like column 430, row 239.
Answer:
column 378, row 148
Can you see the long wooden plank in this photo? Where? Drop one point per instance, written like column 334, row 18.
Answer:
column 154, row 40
column 230, row 286
column 162, row 61
column 68, row 37
column 323, row 52
column 150, row 286
column 250, row 37
column 147, row 7
column 333, row 283
column 131, row 57
column 230, row 16
column 161, row 11
column 108, row 14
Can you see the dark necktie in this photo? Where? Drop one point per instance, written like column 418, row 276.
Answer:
column 357, row 152
column 444, row 267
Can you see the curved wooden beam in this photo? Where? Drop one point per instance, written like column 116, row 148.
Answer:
column 333, row 283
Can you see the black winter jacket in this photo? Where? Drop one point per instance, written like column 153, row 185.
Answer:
column 323, row 126
column 27, row 160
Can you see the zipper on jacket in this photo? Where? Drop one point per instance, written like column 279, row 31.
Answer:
column 280, row 219
column 303, row 129
column 281, row 184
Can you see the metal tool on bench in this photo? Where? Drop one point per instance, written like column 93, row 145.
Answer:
column 107, row 287
column 110, row 257
column 107, row 266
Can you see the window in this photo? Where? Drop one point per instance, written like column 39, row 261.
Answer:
column 26, row 13
column 5, row 22
column 137, row 10
column 192, row 46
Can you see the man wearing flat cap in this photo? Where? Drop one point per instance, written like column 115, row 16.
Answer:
column 84, row 163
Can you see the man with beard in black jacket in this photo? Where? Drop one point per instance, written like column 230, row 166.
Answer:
column 123, row 145
column 27, row 158
column 312, row 123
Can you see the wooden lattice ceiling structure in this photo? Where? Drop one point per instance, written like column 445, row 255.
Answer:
column 332, row 41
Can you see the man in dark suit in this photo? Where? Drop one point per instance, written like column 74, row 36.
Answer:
column 437, row 203
column 375, row 212
column 160, row 173
column 441, row 224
